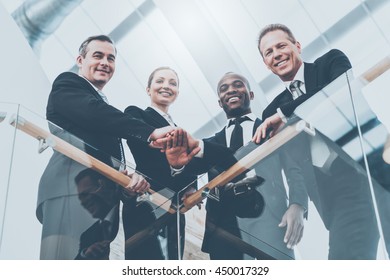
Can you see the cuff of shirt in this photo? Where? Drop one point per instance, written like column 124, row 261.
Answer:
column 201, row 152
column 281, row 115
column 176, row 171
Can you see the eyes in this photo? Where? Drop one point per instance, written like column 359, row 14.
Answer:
column 99, row 56
column 171, row 82
column 269, row 51
column 235, row 85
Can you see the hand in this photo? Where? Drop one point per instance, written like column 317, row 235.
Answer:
column 274, row 123
column 293, row 219
column 177, row 150
column 138, row 184
column 98, row 250
column 188, row 193
column 159, row 136
column 249, row 182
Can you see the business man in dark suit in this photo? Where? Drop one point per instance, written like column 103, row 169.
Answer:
column 280, row 227
column 79, row 108
column 336, row 184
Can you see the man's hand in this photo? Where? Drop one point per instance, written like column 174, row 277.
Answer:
column 138, row 184
column 178, row 151
column 273, row 123
column 188, row 193
column 293, row 219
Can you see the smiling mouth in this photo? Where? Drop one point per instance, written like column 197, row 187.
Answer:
column 233, row 99
column 165, row 93
column 103, row 71
column 281, row 63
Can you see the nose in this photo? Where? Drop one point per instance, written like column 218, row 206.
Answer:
column 277, row 54
column 166, row 85
column 231, row 89
column 104, row 61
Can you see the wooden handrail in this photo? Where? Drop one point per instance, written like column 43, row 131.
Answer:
column 375, row 71
column 82, row 157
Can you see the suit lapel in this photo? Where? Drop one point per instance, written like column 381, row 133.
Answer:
column 220, row 137
column 155, row 118
column 256, row 125
column 88, row 86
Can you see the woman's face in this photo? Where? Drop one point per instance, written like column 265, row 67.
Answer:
column 164, row 88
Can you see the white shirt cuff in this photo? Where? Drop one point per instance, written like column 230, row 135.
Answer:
column 201, row 152
column 281, row 115
column 176, row 171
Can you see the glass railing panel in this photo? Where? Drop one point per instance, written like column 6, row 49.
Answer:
column 341, row 210
column 74, row 201
column 6, row 151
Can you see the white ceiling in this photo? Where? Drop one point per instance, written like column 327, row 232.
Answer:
column 203, row 39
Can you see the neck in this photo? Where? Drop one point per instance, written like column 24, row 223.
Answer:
column 161, row 107
column 238, row 114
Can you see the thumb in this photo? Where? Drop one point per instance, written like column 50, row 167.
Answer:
column 282, row 223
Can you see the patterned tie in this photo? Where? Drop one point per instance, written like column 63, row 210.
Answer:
column 103, row 96
column 295, row 88
column 237, row 138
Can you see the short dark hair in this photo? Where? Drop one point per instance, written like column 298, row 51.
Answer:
column 273, row 27
column 245, row 80
column 151, row 76
column 84, row 45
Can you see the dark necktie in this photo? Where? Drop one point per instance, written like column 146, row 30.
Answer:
column 236, row 140
column 295, row 88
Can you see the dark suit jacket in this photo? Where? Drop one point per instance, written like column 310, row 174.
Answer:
column 221, row 213
column 345, row 178
column 317, row 75
column 151, row 162
column 75, row 106
column 95, row 234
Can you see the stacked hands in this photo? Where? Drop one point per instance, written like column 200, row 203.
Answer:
column 180, row 148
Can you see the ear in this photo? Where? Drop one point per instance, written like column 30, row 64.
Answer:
column 148, row 91
column 79, row 61
column 220, row 103
column 298, row 45
column 251, row 95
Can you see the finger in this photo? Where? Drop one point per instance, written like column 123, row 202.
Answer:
column 194, row 152
column 180, row 138
column 300, row 235
column 168, row 143
column 287, row 236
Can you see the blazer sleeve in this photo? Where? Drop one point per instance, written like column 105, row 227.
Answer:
column 292, row 161
column 71, row 98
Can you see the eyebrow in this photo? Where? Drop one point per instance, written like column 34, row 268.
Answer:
column 99, row 52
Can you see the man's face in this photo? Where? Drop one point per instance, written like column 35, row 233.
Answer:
column 97, row 196
column 234, row 95
column 98, row 65
column 280, row 55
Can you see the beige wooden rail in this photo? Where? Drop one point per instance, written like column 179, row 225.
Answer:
column 82, row 157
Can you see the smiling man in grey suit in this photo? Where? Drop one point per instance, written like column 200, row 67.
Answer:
column 337, row 185
column 79, row 108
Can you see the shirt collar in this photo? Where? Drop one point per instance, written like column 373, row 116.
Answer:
column 251, row 116
column 95, row 88
column 166, row 116
column 299, row 76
